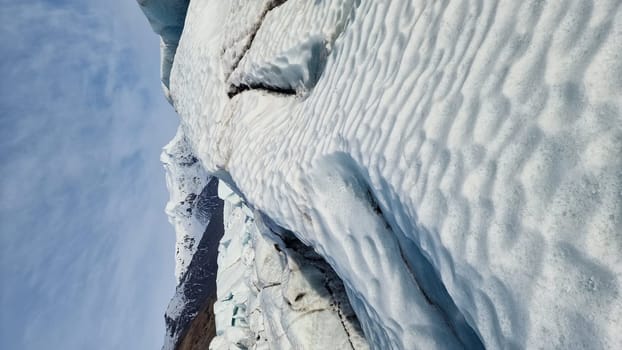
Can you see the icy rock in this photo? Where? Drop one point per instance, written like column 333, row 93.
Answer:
column 185, row 180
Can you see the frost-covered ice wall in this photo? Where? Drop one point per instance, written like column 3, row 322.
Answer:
column 166, row 18
column 457, row 163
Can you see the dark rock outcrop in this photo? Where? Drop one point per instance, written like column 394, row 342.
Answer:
column 190, row 316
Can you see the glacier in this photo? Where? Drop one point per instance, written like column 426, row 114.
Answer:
column 456, row 164
column 274, row 292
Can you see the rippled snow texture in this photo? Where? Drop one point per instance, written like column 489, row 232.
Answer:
column 487, row 133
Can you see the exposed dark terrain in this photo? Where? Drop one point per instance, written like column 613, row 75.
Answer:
column 194, row 327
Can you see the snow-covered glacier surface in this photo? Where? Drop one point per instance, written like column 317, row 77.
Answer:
column 456, row 163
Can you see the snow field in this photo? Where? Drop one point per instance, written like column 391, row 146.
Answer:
column 486, row 135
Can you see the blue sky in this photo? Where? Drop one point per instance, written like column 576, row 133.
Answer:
column 86, row 252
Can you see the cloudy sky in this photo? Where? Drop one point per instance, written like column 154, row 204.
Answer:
column 86, row 253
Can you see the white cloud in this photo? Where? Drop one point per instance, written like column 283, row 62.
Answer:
column 86, row 257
